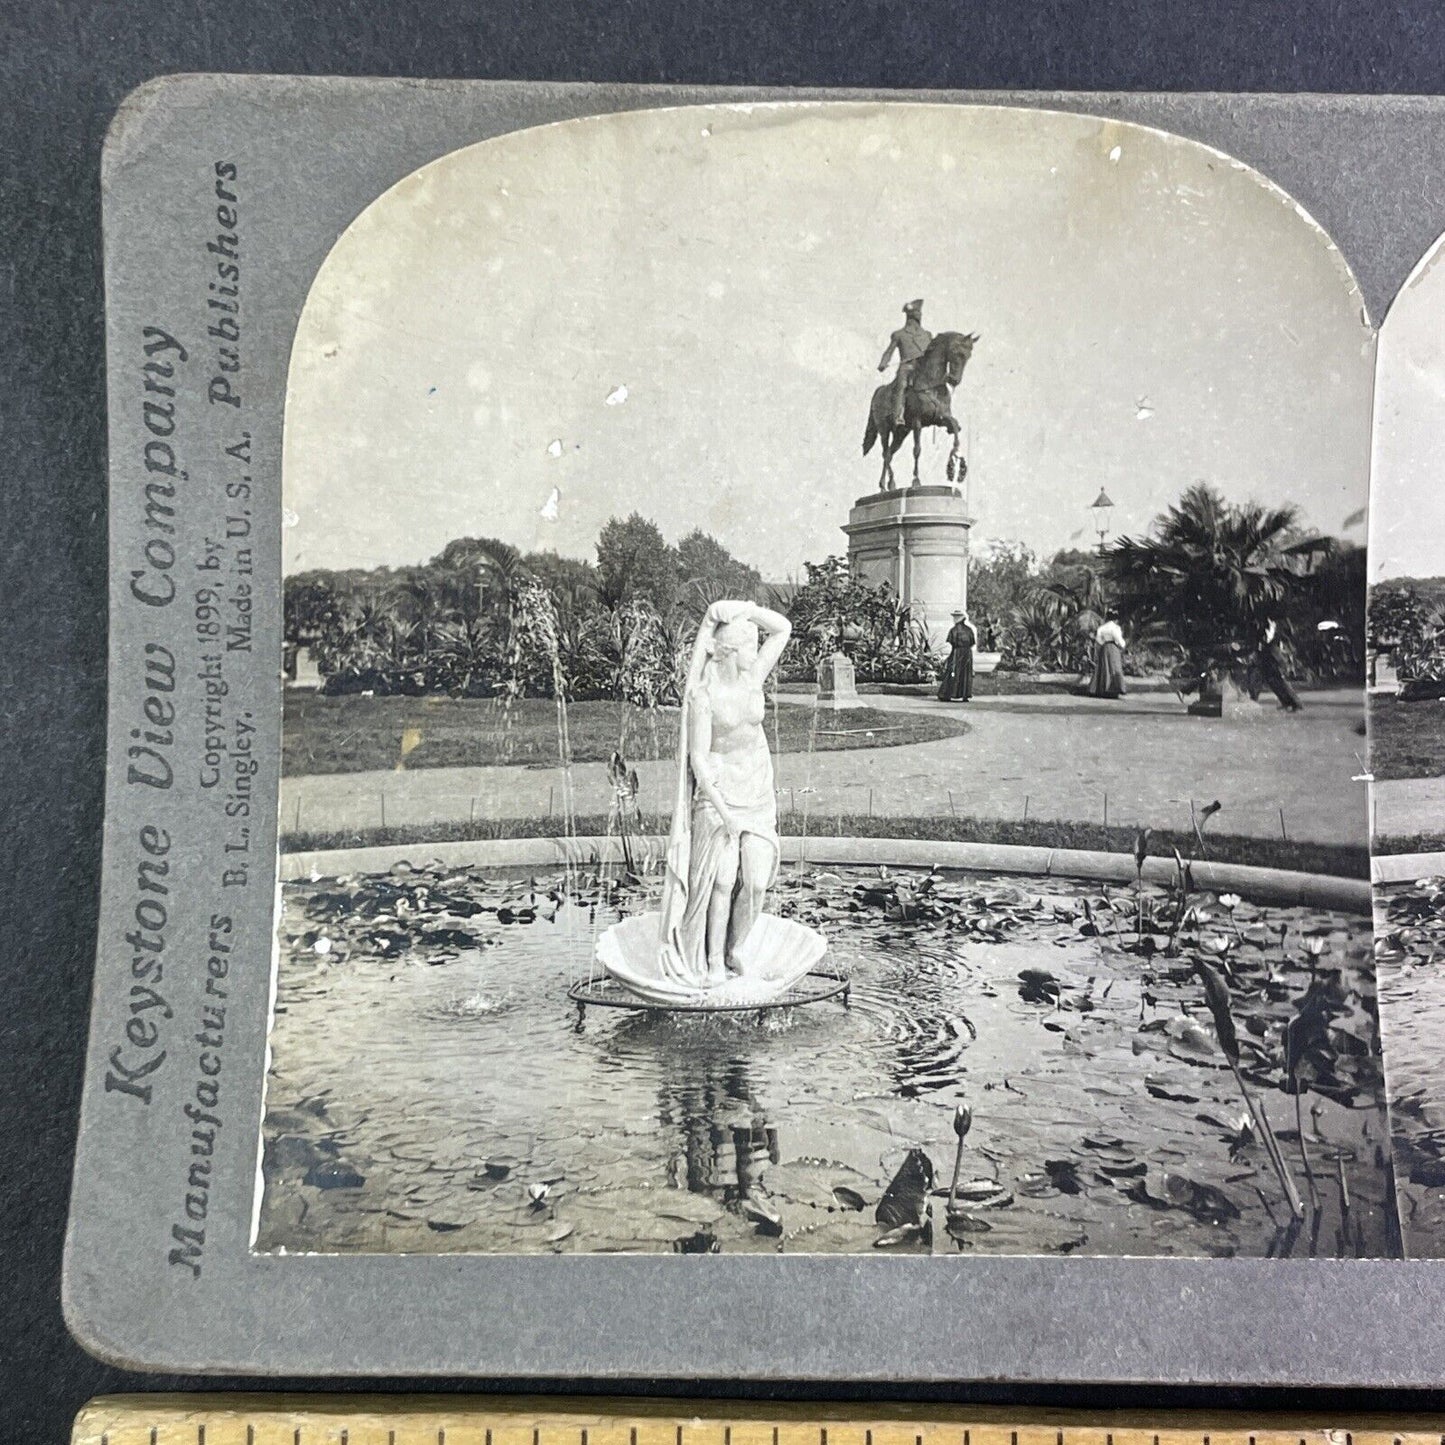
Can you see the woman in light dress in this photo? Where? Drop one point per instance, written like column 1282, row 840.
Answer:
column 723, row 852
column 1108, row 679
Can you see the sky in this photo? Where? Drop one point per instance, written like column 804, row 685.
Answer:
column 1407, row 521
column 681, row 312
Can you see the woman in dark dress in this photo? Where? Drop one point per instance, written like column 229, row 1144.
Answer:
column 956, row 684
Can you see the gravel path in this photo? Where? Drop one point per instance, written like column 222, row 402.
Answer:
column 1060, row 756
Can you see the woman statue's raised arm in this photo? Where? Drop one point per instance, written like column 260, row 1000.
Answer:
column 776, row 630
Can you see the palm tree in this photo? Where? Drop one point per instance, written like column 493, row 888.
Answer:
column 420, row 602
column 1209, row 576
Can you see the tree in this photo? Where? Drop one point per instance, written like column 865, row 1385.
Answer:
column 837, row 609
column 1397, row 614
column 999, row 579
column 1326, row 616
column 635, row 564
column 309, row 605
column 1209, row 576
column 708, row 572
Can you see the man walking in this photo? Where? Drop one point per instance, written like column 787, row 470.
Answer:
column 1268, row 672
column 910, row 341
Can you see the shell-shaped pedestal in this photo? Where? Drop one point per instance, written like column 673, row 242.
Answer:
column 775, row 955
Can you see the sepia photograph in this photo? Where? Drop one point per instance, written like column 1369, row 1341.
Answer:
column 825, row 668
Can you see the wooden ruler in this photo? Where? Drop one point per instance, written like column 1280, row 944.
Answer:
column 242, row 1419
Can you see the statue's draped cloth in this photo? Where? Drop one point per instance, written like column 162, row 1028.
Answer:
column 699, row 847
column 663, row 957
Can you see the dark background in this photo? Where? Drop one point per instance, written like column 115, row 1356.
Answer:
column 64, row 66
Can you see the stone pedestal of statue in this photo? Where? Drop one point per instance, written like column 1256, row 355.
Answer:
column 837, row 683
column 1209, row 703
column 916, row 540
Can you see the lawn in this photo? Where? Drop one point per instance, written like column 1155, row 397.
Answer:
column 1407, row 739
column 362, row 734
column 1341, row 860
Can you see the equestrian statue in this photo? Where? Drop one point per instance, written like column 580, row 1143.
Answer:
column 920, row 394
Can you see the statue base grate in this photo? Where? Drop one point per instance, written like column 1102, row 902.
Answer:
column 608, row 993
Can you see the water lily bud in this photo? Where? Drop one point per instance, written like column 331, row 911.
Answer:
column 1230, row 901
column 1316, row 946
column 962, row 1120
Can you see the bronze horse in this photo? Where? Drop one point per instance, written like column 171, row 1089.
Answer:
column 927, row 403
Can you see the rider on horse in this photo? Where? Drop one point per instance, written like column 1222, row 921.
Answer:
column 910, row 341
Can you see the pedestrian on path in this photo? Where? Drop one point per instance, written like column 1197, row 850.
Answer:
column 956, row 684
column 1268, row 672
column 1108, row 678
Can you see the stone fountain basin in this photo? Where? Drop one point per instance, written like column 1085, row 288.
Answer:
column 777, row 954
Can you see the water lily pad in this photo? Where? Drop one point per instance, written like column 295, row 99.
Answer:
column 903, row 1200
column 333, row 1174
column 961, row 1222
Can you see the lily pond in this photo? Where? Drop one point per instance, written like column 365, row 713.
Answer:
column 1410, row 954
column 1103, row 1071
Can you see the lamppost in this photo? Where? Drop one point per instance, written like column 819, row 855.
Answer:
column 1102, row 508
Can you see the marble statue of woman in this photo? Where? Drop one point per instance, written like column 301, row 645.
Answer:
column 711, row 945
column 722, row 854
